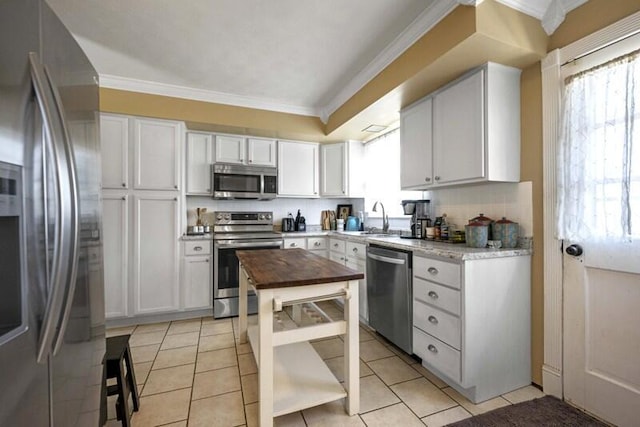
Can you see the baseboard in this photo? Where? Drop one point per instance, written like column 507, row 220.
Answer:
column 552, row 381
column 157, row 318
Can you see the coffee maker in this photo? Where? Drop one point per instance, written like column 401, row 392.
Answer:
column 420, row 216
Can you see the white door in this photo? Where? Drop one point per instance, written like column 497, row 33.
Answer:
column 602, row 331
column 199, row 160
column 230, row 149
column 197, row 282
column 298, row 169
column 333, row 170
column 115, row 230
column 599, row 197
column 157, row 154
column 261, row 152
column 155, row 254
column 416, row 144
column 114, row 148
column 459, row 131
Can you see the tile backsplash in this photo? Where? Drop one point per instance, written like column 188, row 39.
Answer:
column 309, row 208
column 495, row 200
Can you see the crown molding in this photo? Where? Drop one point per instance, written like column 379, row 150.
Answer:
column 175, row 91
column 419, row 27
column 550, row 12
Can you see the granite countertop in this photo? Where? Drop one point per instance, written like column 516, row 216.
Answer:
column 279, row 268
column 454, row 251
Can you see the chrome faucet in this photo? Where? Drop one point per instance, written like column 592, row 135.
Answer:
column 385, row 218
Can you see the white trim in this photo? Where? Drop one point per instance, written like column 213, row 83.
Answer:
column 155, row 88
column 419, row 27
column 538, row 8
column 551, row 97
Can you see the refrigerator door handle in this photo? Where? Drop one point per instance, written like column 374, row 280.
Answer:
column 63, row 267
column 69, row 165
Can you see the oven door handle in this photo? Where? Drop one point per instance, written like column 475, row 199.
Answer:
column 275, row 244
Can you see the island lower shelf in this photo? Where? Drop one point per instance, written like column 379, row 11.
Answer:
column 301, row 378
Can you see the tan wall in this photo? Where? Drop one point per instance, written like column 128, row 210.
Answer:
column 531, row 170
column 208, row 116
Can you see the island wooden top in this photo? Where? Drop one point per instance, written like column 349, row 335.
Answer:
column 279, row 268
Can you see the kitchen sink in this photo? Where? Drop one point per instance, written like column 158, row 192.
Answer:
column 367, row 234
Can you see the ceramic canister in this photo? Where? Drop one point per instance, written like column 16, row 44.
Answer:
column 507, row 232
column 485, row 220
column 476, row 234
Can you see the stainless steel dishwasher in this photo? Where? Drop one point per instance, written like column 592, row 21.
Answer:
column 389, row 295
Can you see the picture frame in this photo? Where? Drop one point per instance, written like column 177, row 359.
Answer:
column 344, row 211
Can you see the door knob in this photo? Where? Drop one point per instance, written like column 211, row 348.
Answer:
column 574, row 250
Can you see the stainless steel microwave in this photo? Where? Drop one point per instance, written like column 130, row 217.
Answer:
column 243, row 182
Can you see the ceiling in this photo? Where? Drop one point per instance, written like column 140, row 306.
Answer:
column 280, row 55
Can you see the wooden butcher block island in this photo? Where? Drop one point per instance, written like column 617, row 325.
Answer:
column 291, row 375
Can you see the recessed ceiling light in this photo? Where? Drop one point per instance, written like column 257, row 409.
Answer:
column 374, row 128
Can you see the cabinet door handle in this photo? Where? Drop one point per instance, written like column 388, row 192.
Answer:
column 437, row 178
column 124, row 184
column 335, row 245
column 197, row 248
column 433, row 295
column 355, row 250
column 124, row 198
column 316, row 244
column 292, row 245
column 432, row 270
column 175, row 199
column 427, row 179
column 207, row 260
column 433, row 319
column 432, row 348
column 208, row 190
column 175, row 186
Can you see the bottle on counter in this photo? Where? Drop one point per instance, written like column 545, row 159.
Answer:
column 444, row 228
column 436, row 225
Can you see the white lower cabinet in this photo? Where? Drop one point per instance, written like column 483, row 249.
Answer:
column 354, row 256
column 196, row 274
column 155, row 255
column 471, row 323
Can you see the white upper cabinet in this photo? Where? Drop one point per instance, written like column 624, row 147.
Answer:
column 261, row 152
column 245, row 151
column 416, row 143
column 473, row 134
column 230, row 149
column 341, row 173
column 114, row 147
column 298, row 167
column 157, row 160
column 199, row 160
column 458, row 131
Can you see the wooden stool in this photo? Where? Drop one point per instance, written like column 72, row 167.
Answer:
column 117, row 355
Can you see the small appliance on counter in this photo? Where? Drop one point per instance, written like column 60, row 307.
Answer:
column 420, row 217
column 300, row 223
column 352, row 224
column 288, row 224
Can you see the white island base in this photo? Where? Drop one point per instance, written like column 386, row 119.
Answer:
column 291, row 375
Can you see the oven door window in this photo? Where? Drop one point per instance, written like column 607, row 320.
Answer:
column 227, row 270
column 234, row 183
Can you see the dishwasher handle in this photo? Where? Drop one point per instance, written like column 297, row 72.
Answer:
column 386, row 259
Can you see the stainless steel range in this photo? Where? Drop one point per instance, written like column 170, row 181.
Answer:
column 233, row 231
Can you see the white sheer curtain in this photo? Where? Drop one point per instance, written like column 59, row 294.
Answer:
column 599, row 153
column 382, row 176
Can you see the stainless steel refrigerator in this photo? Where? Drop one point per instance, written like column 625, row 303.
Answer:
column 52, row 338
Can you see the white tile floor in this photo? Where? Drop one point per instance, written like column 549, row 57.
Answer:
column 192, row 372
